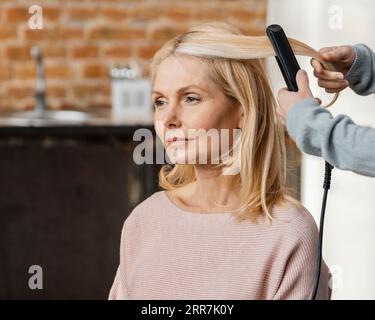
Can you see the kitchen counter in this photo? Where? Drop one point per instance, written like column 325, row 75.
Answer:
column 97, row 127
column 66, row 192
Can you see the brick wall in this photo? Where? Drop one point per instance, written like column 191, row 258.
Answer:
column 81, row 39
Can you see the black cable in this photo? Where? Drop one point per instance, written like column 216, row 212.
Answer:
column 326, row 186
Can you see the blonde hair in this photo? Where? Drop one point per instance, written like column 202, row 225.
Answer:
column 236, row 66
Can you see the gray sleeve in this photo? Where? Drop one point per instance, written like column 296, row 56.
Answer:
column 361, row 75
column 338, row 140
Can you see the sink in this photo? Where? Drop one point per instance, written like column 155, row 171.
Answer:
column 41, row 115
column 47, row 117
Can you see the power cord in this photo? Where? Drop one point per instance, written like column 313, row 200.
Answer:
column 326, row 187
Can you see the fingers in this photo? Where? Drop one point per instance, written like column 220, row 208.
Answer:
column 318, row 100
column 321, row 73
column 333, row 86
column 330, row 80
column 334, row 90
column 302, row 81
column 327, row 49
column 282, row 90
column 336, row 54
column 281, row 114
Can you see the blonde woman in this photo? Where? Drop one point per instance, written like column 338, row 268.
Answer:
column 210, row 235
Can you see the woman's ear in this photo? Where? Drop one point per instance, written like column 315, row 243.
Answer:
column 240, row 122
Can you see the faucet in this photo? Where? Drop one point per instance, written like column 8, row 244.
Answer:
column 40, row 94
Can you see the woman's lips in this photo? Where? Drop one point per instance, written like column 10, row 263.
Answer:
column 178, row 141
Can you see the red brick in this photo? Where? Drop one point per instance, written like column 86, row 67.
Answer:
column 166, row 32
column 147, row 52
column 178, row 13
column 95, row 71
column 17, row 14
column 37, row 34
column 56, row 91
column 99, row 103
column 253, row 30
column 53, row 103
column 69, row 33
column 26, row 104
column 81, row 13
column 67, row 104
column 53, row 52
column 85, row 51
column 6, row 105
column 123, row 51
column 20, row 92
column 24, row 70
column 58, row 71
column 209, row 14
column 51, row 13
column 7, row 32
column 146, row 13
column 4, row 72
column 113, row 14
column 243, row 14
column 18, row 53
column 106, row 88
column 86, row 90
column 54, row 34
column 112, row 33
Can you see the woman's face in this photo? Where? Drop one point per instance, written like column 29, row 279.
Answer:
column 185, row 100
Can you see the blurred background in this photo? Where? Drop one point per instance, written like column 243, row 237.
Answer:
column 74, row 88
column 81, row 39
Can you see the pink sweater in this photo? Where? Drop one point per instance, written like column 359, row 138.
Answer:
column 169, row 253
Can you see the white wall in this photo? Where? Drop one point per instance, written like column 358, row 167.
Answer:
column 349, row 234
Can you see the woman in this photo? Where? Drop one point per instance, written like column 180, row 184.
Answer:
column 216, row 234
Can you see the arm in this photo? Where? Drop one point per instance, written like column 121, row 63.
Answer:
column 361, row 75
column 298, row 281
column 299, row 271
column 118, row 290
column 338, row 140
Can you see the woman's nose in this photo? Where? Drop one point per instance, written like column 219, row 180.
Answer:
column 172, row 115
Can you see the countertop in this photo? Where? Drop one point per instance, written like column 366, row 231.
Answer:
column 102, row 126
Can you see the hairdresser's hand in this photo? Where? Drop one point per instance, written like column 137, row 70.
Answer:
column 287, row 99
column 342, row 58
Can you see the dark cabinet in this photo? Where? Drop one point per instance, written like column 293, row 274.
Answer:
column 63, row 202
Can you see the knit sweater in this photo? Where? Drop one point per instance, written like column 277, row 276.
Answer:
column 169, row 253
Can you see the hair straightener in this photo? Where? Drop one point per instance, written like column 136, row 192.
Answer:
column 289, row 67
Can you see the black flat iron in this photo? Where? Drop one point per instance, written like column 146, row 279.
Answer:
column 289, row 67
column 284, row 55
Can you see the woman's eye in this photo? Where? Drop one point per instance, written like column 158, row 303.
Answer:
column 194, row 99
column 156, row 103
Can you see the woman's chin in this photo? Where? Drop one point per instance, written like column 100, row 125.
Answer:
column 180, row 155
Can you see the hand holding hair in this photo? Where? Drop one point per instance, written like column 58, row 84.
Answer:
column 341, row 58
